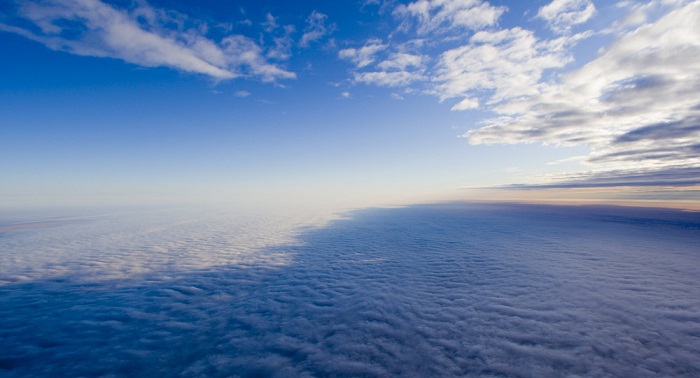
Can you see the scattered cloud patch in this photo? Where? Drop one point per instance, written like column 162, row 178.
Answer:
column 561, row 15
column 430, row 16
column 402, row 62
column 242, row 94
column 253, row 59
column 387, row 79
column 317, row 27
column 279, row 38
column 364, row 55
column 270, row 23
column 281, row 48
column 375, row 64
column 466, row 104
column 498, row 65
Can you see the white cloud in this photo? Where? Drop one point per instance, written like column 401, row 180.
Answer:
column 507, row 63
column 242, row 51
column 466, row 104
column 144, row 35
column 380, row 293
column 387, row 79
column 364, row 55
column 636, row 105
column 394, row 68
column 282, row 48
column 402, row 62
column 563, row 14
column 487, row 68
column 316, row 28
column 242, row 94
column 446, row 15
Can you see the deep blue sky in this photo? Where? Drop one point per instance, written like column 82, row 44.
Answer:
column 359, row 102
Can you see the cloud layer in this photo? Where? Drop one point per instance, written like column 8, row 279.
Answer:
column 439, row 290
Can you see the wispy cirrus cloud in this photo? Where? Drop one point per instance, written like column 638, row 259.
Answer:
column 387, row 78
column 317, row 27
column 378, row 63
column 281, row 37
column 667, row 177
column 141, row 35
column 498, row 65
column 561, row 15
column 429, row 16
column 363, row 56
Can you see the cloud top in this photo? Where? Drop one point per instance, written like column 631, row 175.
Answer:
column 449, row 290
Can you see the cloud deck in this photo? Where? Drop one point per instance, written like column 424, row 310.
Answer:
column 436, row 290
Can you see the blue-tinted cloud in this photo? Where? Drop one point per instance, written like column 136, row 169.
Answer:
column 317, row 27
column 666, row 177
column 439, row 290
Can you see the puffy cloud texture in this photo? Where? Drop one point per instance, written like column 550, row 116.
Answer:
column 439, row 290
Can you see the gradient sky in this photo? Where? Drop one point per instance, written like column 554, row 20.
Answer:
column 353, row 101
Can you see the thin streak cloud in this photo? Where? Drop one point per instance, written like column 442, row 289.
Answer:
column 142, row 35
column 667, row 177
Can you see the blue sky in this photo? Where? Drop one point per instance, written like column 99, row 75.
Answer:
column 362, row 102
